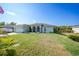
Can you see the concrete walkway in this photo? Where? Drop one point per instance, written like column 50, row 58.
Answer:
column 3, row 35
column 12, row 33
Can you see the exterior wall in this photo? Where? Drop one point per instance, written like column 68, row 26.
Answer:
column 75, row 30
column 20, row 29
column 49, row 29
column 43, row 29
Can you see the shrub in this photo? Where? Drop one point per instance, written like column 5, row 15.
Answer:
column 6, row 46
column 74, row 37
column 2, row 32
column 7, row 52
column 11, row 52
column 62, row 29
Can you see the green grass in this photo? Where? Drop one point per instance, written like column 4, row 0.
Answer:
column 44, row 44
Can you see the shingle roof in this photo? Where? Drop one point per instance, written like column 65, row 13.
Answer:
column 39, row 24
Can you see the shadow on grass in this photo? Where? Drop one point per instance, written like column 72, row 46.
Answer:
column 11, row 52
column 8, row 52
column 74, row 37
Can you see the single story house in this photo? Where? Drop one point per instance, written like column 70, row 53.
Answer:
column 40, row 27
column 37, row 27
column 75, row 29
column 7, row 28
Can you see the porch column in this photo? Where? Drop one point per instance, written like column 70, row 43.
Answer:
column 31, row 28
column 35, row 29
column 40, row 29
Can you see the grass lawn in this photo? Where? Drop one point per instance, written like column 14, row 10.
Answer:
column 44, row 44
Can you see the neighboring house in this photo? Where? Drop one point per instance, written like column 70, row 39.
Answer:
column 7, row 28
column 75, row 29
column 37, row 27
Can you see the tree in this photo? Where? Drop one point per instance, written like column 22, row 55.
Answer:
column 12, row 23
column 56, row 29
column 2, row 23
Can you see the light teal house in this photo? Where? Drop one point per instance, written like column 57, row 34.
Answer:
column 40, row 27
column 37, row 27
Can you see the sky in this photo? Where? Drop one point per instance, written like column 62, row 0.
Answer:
column 49, row 13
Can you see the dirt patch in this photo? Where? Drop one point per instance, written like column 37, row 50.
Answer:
column 49, row 46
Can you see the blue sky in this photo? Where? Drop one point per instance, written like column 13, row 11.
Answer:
column 50, row 13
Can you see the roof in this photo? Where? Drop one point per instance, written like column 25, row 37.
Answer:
column 39, row 24
column 25, row 25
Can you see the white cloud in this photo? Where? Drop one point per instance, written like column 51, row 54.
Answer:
column 10, row 13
